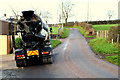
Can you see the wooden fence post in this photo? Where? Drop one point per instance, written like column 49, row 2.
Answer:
column 102, row 34
column 112, row 41
column 118, row 38
column 97, row 34
column 105, row 34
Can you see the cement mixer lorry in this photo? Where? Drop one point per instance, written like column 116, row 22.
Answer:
column 35, row 40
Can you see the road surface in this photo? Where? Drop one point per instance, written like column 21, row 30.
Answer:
column 72, row 59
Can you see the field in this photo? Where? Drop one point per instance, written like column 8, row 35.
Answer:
column 103, row 27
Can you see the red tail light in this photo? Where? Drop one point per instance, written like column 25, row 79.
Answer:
column 20, row 56
column 45, row 52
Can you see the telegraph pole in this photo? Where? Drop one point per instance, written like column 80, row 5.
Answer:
column 88, row 11
column 62, row 15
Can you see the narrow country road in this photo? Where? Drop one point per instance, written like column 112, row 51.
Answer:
column 72, row 59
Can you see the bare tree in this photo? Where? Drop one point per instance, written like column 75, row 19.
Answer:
column 110, row 14
column 60, row 17
column 46, row 15
column 15, row 14
column 66, row 8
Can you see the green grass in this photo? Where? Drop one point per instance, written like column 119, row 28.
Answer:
column 113, row 59
column 65, row 33
column 103, row 27
column 55, row 43
column 55, row 30
column 101, row 46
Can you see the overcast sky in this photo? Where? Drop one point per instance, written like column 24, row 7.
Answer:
column 98, row 9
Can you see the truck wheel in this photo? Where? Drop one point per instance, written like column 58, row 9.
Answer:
column 50, row 60
column 44, row 60
column 21, row 63
column 41, row 59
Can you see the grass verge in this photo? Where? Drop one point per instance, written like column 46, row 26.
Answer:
column 55, row 43
column 65, row 33
column 101, row 46
column 108, row 50
column 113, row 59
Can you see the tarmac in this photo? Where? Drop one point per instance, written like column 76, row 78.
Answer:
column 7, row 62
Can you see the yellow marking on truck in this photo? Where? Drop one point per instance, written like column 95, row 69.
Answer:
column 35, row 52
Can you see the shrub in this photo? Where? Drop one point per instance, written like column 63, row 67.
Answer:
column 18, row 42
column 114, row 33
column 88, row 28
